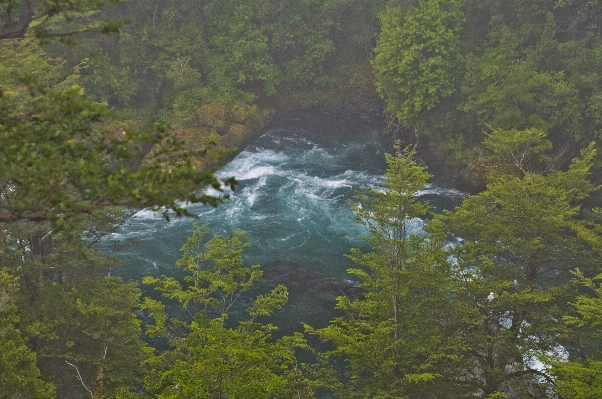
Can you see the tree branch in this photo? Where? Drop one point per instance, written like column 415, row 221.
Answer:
column 79, row 377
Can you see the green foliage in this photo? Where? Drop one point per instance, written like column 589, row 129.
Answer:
column 88, row 330
column 210, row 359
column 514, row 151
column 577, row 380
column 62, row 19
column 302, row 38
column 175, row 60
column 19, row 374
column 387, row 214
column 581, row 377
column 215, row 288
column 427, row 325
column 490, row 65
column 416, row 56
column 506, row 87
column 521, row 239
column 400, row 339
column 80, row 324
column 232, row 53
column 240, row 51
column 58, row 162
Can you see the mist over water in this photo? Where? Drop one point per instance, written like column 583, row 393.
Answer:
column 295, row 182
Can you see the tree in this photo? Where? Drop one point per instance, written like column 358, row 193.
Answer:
column 48, row 19
column 580, row 376
column 520, row 240
column 58, row 161
column 209, row 359
column 452, row 70
column 59, row 165
column 416, row 56
column 239, row 50
column 302, row 38
column 400, row 339
column 19, row 375
column 512, row 87
column 87, row 336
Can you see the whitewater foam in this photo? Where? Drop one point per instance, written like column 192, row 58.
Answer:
column 441, row 192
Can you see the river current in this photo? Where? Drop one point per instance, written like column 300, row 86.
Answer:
column 295, row 183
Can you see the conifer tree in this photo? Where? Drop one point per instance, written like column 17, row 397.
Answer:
column 416, row 55
column 520, row 240
column 19, row 374
column 399, row 339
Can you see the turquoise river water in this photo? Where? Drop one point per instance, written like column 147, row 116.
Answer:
column 295, row 182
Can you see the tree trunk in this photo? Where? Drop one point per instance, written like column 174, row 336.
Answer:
column 2, row 244
column 396, row 319
column 100, row 376
column 2, row 260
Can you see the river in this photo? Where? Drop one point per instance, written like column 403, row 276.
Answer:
column 295, row 182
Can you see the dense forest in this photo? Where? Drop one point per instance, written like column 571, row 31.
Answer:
column 109, row 106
